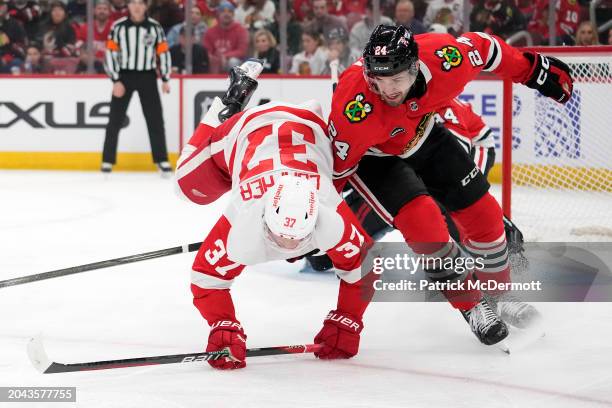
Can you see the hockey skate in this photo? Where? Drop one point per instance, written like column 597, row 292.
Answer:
column 485, row 323
column 243, row 82
column 164, row 168
column 106, row 167
column 514, row 311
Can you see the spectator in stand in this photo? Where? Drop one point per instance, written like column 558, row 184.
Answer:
column 77, row 11
column 313, row 59
column 118, row 9
column 610, row 36
column 323, row 22
column 84, row 57
column 446, row 19
column 420, row 8
column 35, row 62
column 12, row 41
column 227, row 43
column 567, row 14
column 28, row 13
column 526, row 7
column 360, row 33
column 353, row 11
column 265, row 50
column 456, row 8
column 294, row 33
column 302, row 10
column 500, row 17
column 166, row 12
column 339, row 50
column 198, row 26
column 56, row 34
column 102, row 25
column 209, row 14
column 255, row 14
column 404, row 15
column 199, row 56
column 353, row 7
column 587, row 34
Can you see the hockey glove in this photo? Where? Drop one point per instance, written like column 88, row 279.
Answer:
column 227, row 334
column 550, row 76
column 339, row 336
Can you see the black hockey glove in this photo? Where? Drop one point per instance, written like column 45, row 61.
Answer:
column 550, row 76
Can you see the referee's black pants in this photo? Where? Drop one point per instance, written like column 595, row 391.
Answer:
column 145, row 83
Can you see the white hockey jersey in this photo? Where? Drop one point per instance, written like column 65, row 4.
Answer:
column 253, row 150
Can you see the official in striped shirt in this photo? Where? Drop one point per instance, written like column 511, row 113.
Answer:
column 135, row 50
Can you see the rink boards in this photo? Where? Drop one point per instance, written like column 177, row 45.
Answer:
column 59, row 123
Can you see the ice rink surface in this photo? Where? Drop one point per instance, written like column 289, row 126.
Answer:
column 412, row 354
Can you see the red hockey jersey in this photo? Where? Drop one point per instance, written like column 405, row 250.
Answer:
column 458, row 117
column 361, row 123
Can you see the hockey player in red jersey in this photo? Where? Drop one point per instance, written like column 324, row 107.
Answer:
column 407, row 160
column 276, row 161
column 477, row 140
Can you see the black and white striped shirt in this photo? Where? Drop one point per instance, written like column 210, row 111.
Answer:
column 136, row 46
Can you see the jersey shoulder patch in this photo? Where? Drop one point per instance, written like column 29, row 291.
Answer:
column 357, row 109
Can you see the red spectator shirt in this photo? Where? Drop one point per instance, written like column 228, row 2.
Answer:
column 232, row 41
column 568, row 13
column 100, row 37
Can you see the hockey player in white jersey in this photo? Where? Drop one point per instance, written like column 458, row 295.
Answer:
column 275, row 161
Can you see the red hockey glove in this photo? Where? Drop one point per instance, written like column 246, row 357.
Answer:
column 227, row 334
column 550, row 76
column 339, row 336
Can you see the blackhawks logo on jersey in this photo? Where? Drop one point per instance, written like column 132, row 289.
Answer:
column 451, row 57
column 357, row 109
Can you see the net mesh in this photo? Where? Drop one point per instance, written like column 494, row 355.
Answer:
column 562, row 155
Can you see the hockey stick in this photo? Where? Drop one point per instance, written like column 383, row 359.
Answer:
column 41, row 362
column 333, row 67
column 100, row 265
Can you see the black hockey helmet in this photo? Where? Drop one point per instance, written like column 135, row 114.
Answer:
column 390, row 50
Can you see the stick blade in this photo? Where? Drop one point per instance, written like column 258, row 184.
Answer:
column 37, row 354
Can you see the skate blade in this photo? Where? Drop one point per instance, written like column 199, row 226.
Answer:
column 252, row 67
column 503, row 346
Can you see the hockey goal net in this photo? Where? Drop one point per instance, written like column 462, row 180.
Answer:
column 557, row 185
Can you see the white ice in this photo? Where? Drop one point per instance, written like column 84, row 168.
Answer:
column 412, row 354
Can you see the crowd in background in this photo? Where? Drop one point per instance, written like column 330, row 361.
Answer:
column 40, row 36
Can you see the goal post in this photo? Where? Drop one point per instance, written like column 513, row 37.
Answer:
column 557, row 159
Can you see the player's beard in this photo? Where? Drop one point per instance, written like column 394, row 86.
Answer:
column 396, row 99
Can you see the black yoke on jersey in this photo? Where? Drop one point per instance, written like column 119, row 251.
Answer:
column 440, row 168
column 417, row 89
